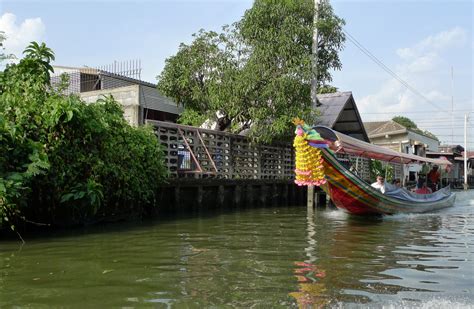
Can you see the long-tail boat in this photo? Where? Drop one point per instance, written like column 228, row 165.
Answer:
column 317, row 164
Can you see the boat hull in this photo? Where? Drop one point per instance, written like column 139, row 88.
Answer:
column 352, row 194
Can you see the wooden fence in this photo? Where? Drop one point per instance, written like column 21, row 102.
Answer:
column 200, row 153
column 193, row 152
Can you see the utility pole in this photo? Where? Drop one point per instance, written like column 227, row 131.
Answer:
column 314, row 62
column 452, row 106
column 465, row 152
column 314, row 84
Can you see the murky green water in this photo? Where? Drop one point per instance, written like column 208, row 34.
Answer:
column 260, row 258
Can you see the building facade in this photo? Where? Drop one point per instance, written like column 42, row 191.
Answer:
column 454, row 154
column 395, row 136
column 140, row 100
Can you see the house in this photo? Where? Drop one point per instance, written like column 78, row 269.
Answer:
column 453, row 153
column 395, row 136
column 140, row 100
column 470, row 166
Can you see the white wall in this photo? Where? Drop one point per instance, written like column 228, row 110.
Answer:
column 126, row 96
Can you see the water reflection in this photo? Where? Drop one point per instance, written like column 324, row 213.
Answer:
column 409, row 257
column 247, row 258
column 311, row 289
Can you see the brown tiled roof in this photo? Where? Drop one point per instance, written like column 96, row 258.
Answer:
column 372, row 125
column 388, row 127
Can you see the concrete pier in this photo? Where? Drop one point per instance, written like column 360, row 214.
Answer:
column 190, row 195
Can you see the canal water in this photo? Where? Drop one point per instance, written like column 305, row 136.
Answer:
column 251, row 258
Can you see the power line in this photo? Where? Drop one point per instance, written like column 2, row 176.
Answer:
column 444, row 127
column 415, row 112
column 388, row 70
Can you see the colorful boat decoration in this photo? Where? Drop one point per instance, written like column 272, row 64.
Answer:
column 318, row 165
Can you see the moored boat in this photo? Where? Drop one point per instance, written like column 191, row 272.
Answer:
column 317, row 164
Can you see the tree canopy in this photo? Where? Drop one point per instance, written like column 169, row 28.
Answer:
column 257, row 72
column 406, row 122
column 4, row 56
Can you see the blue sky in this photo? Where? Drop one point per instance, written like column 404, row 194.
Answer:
column 419, row 40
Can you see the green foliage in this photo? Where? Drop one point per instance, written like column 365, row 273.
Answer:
column 257, row 72
column 406, row 122
column 409, row 124
column 379, row 168
column 4, row 56
column 63, row 161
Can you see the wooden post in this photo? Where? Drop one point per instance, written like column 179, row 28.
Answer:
column 249, row 195
column 285, row 194
column 275, row 196
column 310, row 197
column 200, row 194
column 220, row 195
column 263, row 195
column 237, row 195
column 316, row 199
column 177, row 197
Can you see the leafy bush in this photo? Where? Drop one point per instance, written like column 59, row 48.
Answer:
column 380, row 168
column 65, row 162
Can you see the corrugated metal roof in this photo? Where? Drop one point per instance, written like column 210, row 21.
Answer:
column 332, row 104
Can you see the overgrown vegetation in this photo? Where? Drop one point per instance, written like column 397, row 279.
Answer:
column 411, row 125
column 256, row 74
column 380, row 168
column 63, row 162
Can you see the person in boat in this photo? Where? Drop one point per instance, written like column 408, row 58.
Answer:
column 379, row 184
column 422, row 187
column 433, row 178
column 397, row 183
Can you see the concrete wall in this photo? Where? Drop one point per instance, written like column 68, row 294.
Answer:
column 432, row 144
column 393, row 142
column 127, row 96
column 398, row 142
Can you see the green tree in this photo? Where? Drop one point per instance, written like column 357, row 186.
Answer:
column 65, row 162
column 380, row 168
column 4, row 56
column 406, row 122
column 257, row 72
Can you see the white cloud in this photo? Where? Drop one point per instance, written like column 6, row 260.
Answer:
column 417, row 65
column 452, row 38
column 19, row 35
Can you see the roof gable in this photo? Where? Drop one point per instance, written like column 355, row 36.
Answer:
column 372, row 125
column 389, row 127
column 339, row 112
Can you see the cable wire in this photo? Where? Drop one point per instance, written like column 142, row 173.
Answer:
column 389, row 71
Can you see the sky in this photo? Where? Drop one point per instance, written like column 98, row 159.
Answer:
column 421, row 42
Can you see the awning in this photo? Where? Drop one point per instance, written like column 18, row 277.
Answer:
column 350, row 145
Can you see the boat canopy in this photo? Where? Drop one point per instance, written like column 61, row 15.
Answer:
column 350, row 145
